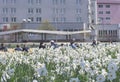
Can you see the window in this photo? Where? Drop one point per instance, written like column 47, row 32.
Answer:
column 38, row 1
column 78, row 1
column 13, row 10
column 13, row 19
column 13, row 1
column 38, row 19
column 107, row 12
column 38, row 10
column 100, row 19
column 104, row 33
column 100, row 12
column 78, row 19
column 71, row 30
column 62, row 1
column 100, row 33
column 55, row 10
column 107, row 6
column 30, row 1
column 114, row 33
column 107, row 18
column 100, row 6
column 30, row 10
column 78, row 11
column 5, row 1
column 5, row 19
column 5, row 10
column 110, row 32
column 63, row 19
column 55, row 19
column 59, row 10
column 55, row 2
column 62, row 10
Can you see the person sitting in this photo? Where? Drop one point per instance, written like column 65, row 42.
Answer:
column 73, row 45
column 53, row 44
column 41, row 45
column 24, row 48
column 18, row 48
column 2, row 47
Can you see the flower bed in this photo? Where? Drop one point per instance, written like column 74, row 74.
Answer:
column 64, row 64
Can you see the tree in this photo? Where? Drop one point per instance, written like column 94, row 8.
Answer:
column 46, row 26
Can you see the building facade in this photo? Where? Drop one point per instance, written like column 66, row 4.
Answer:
column 108, row 32
column 108, row 11
column 16, row 11
column 66, row 15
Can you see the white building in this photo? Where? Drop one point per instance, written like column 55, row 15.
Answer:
column 14, row 11
column 55, row 11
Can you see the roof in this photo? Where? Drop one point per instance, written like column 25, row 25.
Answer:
column 108, row 1
column 43, row 31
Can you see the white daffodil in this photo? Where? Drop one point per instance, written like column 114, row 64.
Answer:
column 42, row 71
column 11, row 71
column 58, row 70
column 3, row 62
column 34, row 80
column 112, row 67
column 1, row 59
column 87, row 67
column 4, row 77
column 82, row 64
column 111, row 75
column 104, row 72
column 74, row 66
column 92, row 60
column 92, row 72
column 100, row 78
column 52, row 78
column 7, row 76
column 67, row 69
column 74, row 80
column 76, row 61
